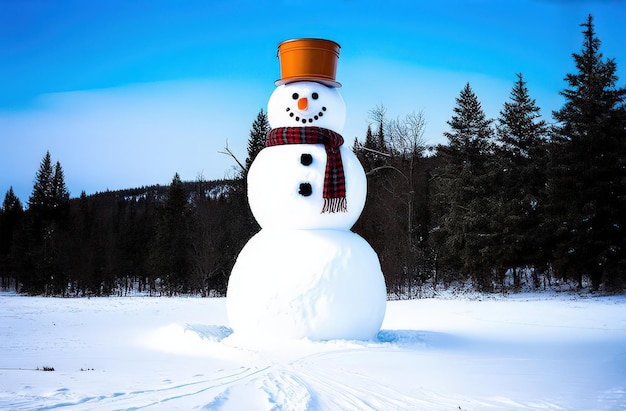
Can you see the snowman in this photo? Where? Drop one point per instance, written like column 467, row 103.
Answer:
column 305, row 274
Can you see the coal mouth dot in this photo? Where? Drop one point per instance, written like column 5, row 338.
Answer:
column 305, row 120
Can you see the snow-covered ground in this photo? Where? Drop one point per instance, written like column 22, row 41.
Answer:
column 542, row 352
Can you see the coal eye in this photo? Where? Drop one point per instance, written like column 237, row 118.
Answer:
column 295, row 96
column 314, row 96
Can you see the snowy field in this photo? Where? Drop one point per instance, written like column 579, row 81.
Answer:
column 541, row 352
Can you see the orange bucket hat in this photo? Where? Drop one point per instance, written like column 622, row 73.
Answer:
column 308, row 59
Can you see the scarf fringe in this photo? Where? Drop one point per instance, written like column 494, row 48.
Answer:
column 335, row 205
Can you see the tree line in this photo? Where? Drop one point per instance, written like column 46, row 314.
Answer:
column 506, row 203
column 176, row 239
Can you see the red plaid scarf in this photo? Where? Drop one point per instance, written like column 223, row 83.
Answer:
column 334, row 192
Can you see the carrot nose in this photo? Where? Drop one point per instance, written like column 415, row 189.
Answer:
column 303, row 103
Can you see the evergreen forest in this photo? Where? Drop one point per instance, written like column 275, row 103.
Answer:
column 519, row 202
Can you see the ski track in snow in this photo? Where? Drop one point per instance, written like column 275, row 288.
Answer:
column 149, row 398
column 206, row 368
column 303, row 384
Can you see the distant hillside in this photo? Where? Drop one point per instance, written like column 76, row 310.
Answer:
column 210, row 189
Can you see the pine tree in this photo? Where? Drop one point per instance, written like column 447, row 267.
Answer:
column 462, row 200
column 60, row 196
column 520, row 128
column 171, row 251
column 46, row 240
column 370, row 141
column 42, row 200
column 10, row 218
column 369, row 152
column 380, row 135
column 59, row 190
column 374, row 151
column 258, row 137
column 588, row 170
column 80, row 255
column 379, row 140
column 520, row 179
column 10, row 214
column 11, row 202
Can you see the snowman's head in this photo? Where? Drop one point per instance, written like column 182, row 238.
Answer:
column 306, row 103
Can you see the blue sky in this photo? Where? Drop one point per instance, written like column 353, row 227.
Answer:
column 127, row 93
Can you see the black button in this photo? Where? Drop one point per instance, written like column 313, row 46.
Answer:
column 305, row 189
column 306, row 159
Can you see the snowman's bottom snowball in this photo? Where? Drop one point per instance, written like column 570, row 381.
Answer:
column 316, row 284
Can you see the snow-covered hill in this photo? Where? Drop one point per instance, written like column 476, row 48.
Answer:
column 524, row 352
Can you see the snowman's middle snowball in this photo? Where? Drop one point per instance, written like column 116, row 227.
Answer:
column 334, row 191
column 274, row 182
